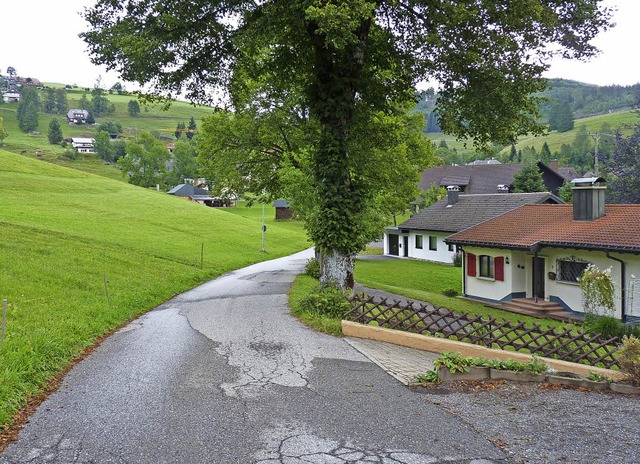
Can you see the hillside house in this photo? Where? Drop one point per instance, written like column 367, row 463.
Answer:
column 533, row 256
column 11, row 96
column 77, row 116
column 83, row 145
column 199, row 195
column 423, row 235
column 491, row 177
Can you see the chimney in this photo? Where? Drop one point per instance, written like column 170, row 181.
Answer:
column 553, row 164
column 453, row 195
column 588, row 198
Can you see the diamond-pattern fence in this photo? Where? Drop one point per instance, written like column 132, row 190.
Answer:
column 425, row 319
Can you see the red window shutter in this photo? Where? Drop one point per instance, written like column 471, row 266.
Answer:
column 471, row 265
column 498, row 270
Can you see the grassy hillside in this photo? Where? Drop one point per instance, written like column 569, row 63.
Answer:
column 151, row 118
column 65, row 235
column 623, row 120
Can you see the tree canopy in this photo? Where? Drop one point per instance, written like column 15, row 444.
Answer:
column 343, row 64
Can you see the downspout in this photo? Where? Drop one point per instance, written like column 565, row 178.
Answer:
column 464, row 271
column 623, row 278
column 533, row 271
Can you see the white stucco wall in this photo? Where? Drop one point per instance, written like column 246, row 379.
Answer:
column 486, row 288
column 518, row 277
column 441, row 254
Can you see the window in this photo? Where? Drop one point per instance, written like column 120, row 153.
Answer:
column 452, row 247
column 419, row 242
column 570, row 271
column 486, row 266
column 433, row 243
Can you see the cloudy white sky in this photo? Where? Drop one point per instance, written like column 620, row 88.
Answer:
column 40, row 40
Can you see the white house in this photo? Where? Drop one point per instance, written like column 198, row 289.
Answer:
column 11, row 96
column 83, row 145
column 538, row 252
column 77, row 116
column 423, row 235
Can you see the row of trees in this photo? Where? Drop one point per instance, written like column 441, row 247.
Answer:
column 55, row 101
column 148, row 163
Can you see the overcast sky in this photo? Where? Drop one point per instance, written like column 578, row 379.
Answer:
column 40, row 40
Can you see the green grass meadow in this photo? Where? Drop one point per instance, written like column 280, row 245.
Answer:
column 81, row 254
column 624, row 120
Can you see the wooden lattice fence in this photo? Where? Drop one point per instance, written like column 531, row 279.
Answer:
column 425, row 319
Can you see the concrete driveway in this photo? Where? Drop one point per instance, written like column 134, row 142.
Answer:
column 223, row 374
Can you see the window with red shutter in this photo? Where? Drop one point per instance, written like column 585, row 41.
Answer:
column 499, row 267
column 471, row 265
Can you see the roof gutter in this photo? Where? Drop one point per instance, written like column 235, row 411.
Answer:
column 623, row 278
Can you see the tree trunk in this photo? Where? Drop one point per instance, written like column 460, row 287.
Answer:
column 337, row 269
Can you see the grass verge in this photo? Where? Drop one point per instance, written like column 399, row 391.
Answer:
column 81, row 254
column 302, row 286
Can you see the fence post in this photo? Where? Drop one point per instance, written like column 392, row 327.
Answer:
column 4, row 317
column 106, row 289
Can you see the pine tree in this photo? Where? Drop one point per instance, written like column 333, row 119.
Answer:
column 513, row 154
column 191, row 130
column 528, row 179
column 50, row 101
column 61, row 101
column 28, row 109
column 545, row 154
column 180, row 128
column 55, row 132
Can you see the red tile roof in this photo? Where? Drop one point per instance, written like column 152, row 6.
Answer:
column 532, row 226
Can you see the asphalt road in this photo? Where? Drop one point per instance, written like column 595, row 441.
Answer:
column 223, row 374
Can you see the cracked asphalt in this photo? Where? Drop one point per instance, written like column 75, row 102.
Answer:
column 223, row 374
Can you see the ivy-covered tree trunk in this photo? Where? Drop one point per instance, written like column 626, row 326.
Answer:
column 341, row 199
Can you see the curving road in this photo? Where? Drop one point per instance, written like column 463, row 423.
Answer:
column 223, row 374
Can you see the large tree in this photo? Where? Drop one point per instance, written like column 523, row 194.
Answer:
column 28, row 109
column 55, row 132
column 624, row 165
column 348, row 61
column 145, row 161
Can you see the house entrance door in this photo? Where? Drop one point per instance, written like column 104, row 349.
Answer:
column 538, row 278
column 394, row 249
column 406, row 246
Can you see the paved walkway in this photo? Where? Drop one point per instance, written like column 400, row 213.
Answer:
column 400, row 362
column 224, row 374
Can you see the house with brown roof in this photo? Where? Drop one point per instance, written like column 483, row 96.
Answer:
column 492, row 178
column 422, row 236
column 537, row 253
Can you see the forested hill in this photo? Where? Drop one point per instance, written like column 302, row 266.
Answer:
column 581, row 99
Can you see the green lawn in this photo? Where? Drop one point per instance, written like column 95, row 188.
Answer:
column 65, row 235
column 425, row 281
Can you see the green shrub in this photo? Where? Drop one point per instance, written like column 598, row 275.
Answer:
column 609, row 326
column 450, row 292
column 428, row 377
column 629, row 358
column 313, row 268
column 597, row 377
column 455, row 362
column 326, row 300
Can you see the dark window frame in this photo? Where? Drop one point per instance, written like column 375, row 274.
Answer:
column 433, row 243
column 486, row 267
column 569, row 270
